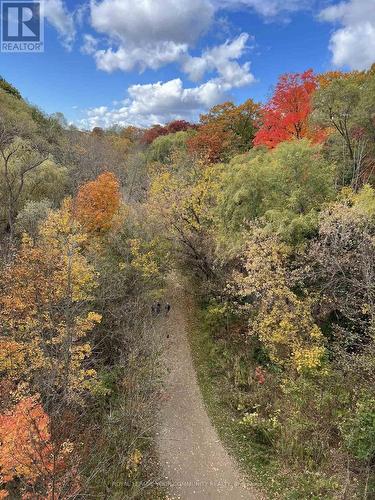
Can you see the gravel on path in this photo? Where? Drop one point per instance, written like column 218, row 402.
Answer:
column 194, row 463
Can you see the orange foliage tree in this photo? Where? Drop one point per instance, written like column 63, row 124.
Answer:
column 225, row 130
column 325, row 79
column 28, row 454
column 97, row 202
column 26, row 450
column 285, row 116
column 210, row 143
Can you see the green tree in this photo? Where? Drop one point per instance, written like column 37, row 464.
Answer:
column 346, row 107
column 285, row 186
column 162, row 148
column 31, row 216
column 242, row 121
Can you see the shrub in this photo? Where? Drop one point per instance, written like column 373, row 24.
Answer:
column 359, row 429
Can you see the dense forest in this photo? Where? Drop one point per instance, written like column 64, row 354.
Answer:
column 266, row 215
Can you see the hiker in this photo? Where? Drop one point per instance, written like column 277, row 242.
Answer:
column 167, row 309
column 158, row 308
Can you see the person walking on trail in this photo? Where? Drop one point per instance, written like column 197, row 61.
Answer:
column 167, row 309
column 156, row 309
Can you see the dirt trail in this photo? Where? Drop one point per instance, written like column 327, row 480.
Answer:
column 194, row 462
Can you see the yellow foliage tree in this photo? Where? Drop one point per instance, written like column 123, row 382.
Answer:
column 44, row 314
column 181, row 203
column 144, row 257
column 282, row 321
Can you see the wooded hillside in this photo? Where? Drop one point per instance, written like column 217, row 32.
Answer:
column 267, row 212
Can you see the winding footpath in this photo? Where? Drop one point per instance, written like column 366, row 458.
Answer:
column 195, row 464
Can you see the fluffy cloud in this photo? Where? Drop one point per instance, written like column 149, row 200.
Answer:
column 158, row 103
column 353, row 44
column 90, row 45
column 222, row 59
column 152, row 56
column 63, row 21
column 171, row 97
column 152, row 20
column 147, row 34
column 139, row 30
column 162, row 102
column 152, row 33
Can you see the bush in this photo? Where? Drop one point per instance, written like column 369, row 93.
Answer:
column 31, row 216
column 359, row 429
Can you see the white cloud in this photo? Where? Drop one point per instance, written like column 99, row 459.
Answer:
column 353, row 44
column 171, row 96
column 61, row 19
column 156, row 33
column 147, row 21
column 147, row 33
column 222, row 59
column 152, row 56
column 158, row 103
column 143, row 28
column 153, row 33
column 90, row 45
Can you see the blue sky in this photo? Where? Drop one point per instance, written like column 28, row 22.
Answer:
column 150, row 61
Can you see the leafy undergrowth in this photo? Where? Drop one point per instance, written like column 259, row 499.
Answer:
column 257, row 460
column 123, row 461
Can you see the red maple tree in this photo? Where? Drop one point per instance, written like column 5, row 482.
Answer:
column 286, row 115
column 172, row 127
